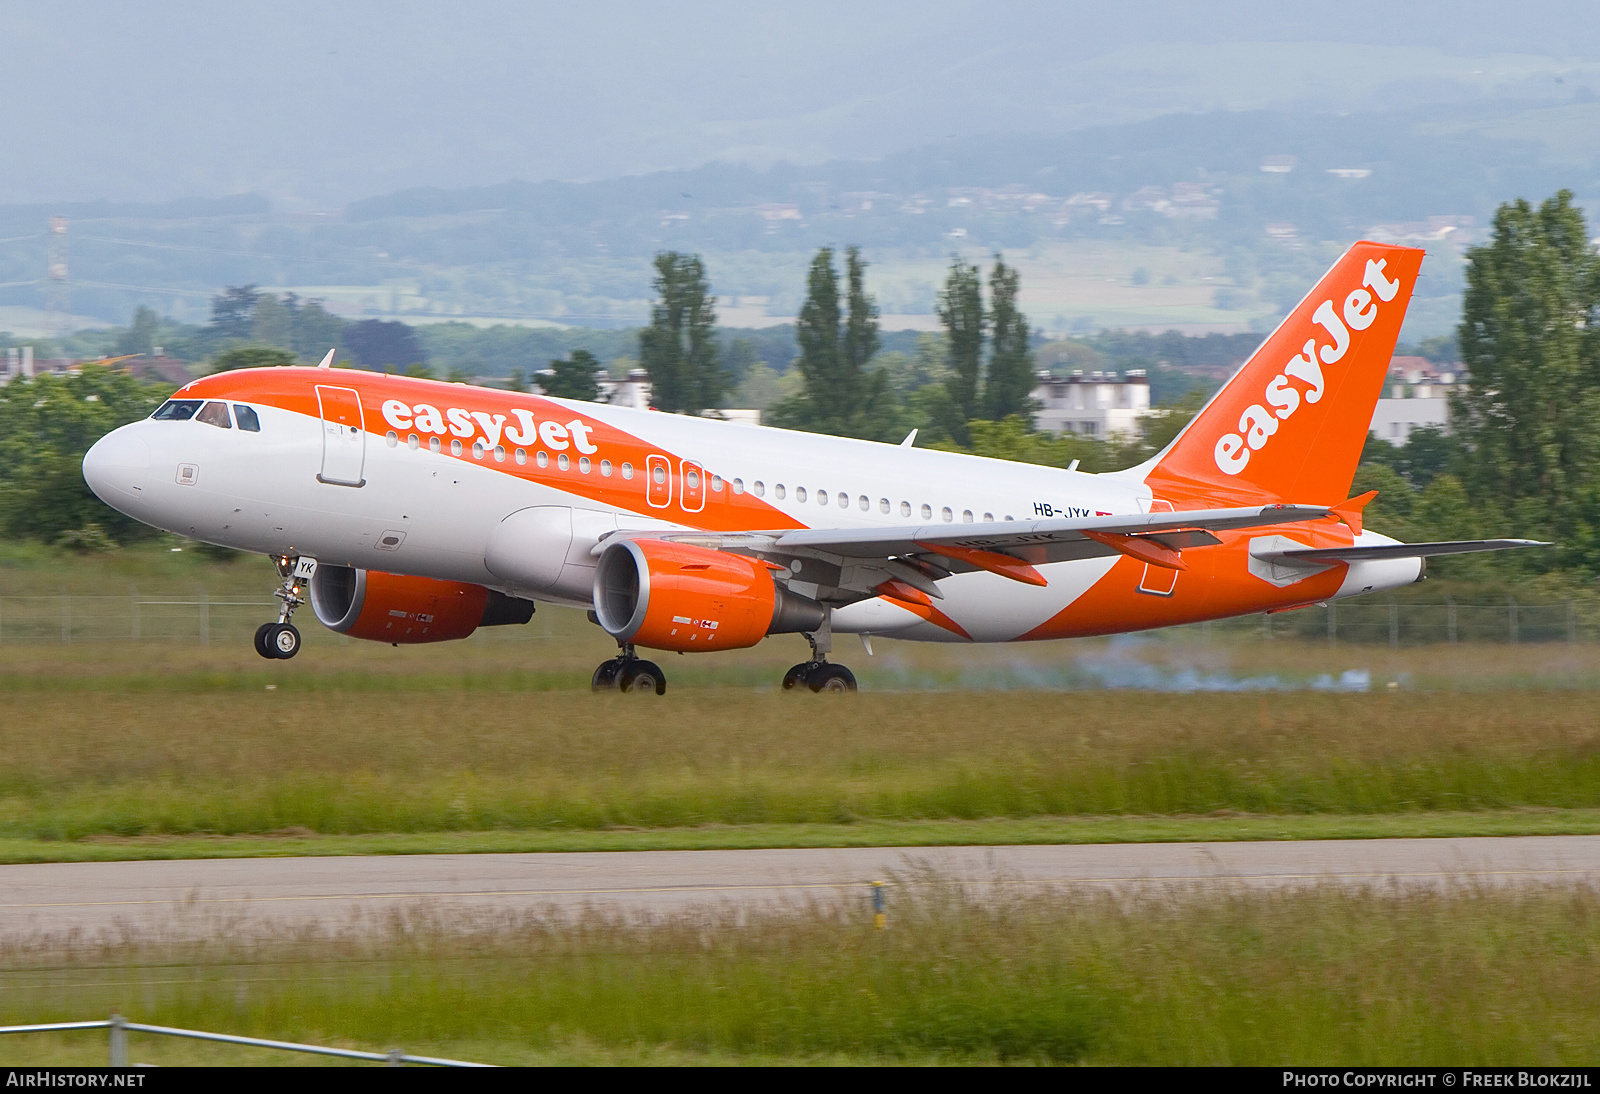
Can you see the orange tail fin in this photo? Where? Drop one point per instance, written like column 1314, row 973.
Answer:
column 1290, row 424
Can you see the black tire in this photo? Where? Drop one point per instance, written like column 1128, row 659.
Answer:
column 642, row 677
column 261, row 642
column 283, row 640
column 797, row 676
column 605, row 677
column 834, row 679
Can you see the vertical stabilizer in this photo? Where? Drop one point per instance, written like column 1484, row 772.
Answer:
column 1291, row 423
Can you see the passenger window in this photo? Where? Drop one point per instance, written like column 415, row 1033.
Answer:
column 864, row 503
column 905, row 509
column 246, row 417
column 927, row 511
column 883, row 505
column 799, row 493
column 844, row 500
column 777, row 491
column 946, row 514
column 627, row 468
column 822, row 497
column 176, row 410
column 760, row 488
column 738, row 486
column 966, row 516
column 214, row 413
column 987, row 517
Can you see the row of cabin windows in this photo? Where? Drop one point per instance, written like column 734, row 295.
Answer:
column 862, row 502
column 214, row 413
column 691, row 478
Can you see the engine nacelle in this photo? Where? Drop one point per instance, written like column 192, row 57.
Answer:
column 400, row 609
column 674, row 596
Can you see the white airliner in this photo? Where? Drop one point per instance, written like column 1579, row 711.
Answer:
column 410, row 510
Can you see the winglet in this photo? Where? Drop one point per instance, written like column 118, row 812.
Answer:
column 1350, row 511
column 327, row 362
column 910, row 439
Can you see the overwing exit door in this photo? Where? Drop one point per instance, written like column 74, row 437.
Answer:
column 344, row 440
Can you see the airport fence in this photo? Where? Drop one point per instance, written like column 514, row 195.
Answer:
column 119, row 1028
column 68, row 618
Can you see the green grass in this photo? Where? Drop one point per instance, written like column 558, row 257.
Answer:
column 928, row 833
column 1315, row 976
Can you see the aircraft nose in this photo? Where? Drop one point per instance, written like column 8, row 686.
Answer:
column 116, row 466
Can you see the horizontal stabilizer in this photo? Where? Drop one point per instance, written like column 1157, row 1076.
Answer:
column 1400, row 550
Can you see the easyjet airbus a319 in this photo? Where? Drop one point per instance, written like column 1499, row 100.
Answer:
column 409, row 510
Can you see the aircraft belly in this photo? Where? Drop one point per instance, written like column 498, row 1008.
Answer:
column 988, row 607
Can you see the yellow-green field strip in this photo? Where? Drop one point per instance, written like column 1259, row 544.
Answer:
column 1047, row 830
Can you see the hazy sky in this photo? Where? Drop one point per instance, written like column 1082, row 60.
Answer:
column 317, row 103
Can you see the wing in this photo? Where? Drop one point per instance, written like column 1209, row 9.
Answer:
column 1311, row 556
column 848, row 564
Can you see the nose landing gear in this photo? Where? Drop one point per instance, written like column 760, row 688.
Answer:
column 281, row 640
column 628, row 673
column 819, row 674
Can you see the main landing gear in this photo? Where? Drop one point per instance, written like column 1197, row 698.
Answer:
column 819, row 674
column 281, row 640
column 630, row 674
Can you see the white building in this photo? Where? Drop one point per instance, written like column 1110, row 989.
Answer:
column 1095, row 404
column 1417, row 396
column 631, row 391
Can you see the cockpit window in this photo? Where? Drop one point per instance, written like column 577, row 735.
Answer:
column 247, row 418
column 176, row 410
column 215, row 413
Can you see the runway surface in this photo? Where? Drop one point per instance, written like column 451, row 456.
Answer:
column 195, row 896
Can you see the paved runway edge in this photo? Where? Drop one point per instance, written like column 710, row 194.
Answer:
column 52, row 897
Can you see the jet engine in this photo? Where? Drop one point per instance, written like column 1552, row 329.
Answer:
column 399, row 609
column 675, row 596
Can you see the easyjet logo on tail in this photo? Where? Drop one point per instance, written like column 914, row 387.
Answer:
column 1258, row 424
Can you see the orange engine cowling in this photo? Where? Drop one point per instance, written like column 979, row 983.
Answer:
column 674, row 596
column 401, row 609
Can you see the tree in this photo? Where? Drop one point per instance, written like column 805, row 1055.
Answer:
column 376, row 342
column 1530, row 344
column 961, row 312
column 252, row 357
column 315, row 329
column 574, row 377
column 46, row 425
column 140, row 337
column 233, row 313
column 1009, row 383
column 841, row 394
column 679, row 347
column 272, row 324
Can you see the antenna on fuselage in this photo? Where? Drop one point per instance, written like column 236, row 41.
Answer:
column 910, row 437
column 327, row 362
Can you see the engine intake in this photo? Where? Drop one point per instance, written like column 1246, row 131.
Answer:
column 675, row 596
column 402, row 609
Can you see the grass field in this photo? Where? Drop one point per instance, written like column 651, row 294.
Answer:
column 173, row 746
column 363, row 741
column 1314, row 976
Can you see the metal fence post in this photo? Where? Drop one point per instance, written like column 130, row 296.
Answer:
column 1333, row 621
column 1449, row 619
column 1266, row 627
column 119, row 1040
column 1394, row 623
column 205, row 619
column 1572, row 625
column 1512, row 620
column 133, row 612
column 66, row 618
